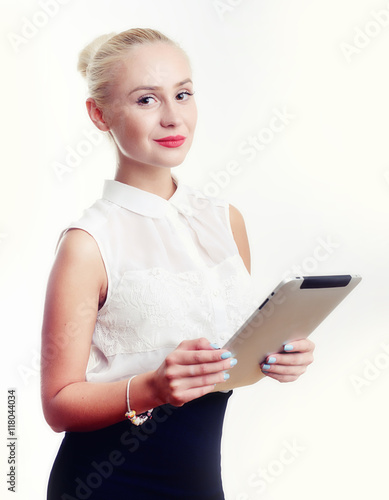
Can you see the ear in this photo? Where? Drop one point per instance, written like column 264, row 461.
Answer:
column 96, row 115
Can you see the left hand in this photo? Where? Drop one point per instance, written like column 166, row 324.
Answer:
column 289, row 364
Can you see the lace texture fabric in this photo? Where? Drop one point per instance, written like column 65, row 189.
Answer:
column 155, row 308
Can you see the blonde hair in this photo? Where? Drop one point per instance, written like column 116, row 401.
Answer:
column 98, row 59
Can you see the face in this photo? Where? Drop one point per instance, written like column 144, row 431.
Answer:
column 152, row 113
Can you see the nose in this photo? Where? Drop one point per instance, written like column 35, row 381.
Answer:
column 170, row 114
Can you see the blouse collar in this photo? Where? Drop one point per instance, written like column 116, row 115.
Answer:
column 143, row 202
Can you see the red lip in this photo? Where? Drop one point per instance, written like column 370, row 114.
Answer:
column 171, row 141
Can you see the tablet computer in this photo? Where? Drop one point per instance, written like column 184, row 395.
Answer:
column 291, row 312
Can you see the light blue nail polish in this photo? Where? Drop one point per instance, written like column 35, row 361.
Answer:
column 272, row 359
column 226, row 376
column 265, row 367
column 215, row 346
column 226, row 355
column 288, row 347
column 233, row 361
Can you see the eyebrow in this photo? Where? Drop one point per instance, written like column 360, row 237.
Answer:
column 148, row 87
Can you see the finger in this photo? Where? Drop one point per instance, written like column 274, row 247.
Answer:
column 299, row 345
column 195, row 370
column 302, row 345
column 200, row 344
column 287, row 370
column 282, row 378
column 290, row 359
column 182, row 397
column 204, row 380
column 194, row 357
column 185, row 389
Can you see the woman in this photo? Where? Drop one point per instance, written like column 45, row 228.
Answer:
column 144, row 287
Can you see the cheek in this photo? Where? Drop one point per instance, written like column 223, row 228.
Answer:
column 193, row 116
column 141, row 124
column 132, row 130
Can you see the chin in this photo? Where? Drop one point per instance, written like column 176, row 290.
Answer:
column 172, row 163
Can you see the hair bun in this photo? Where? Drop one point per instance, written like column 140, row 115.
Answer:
column 88, row 53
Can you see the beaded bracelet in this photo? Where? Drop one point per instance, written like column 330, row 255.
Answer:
column 131, row 414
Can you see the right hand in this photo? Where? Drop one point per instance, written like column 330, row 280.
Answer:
column 191, row 371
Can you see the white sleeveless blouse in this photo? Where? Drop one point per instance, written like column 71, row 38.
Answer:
column 174, row 273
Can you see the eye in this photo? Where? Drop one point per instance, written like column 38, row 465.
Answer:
column 183, row 96
column 145, row 100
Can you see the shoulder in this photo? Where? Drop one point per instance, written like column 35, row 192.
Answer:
column 236, row 220
column 78, row 255
column 78, row 261
column 79, row 252
column 94, row 221
column 239, row 233
column 78, row 244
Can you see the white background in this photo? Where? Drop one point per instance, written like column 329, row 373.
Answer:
column 324, row 177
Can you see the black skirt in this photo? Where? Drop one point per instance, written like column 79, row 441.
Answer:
column 173, row 456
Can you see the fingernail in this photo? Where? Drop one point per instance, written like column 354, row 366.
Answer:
column 233, row 361
column 226, row 376
column 226, row 355
column 272, row 359
column 288, row 347
column 215, row 346
column 265, row 367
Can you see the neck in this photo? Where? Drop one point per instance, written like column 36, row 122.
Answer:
column 156, row 180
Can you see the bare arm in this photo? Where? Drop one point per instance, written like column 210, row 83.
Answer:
column 76, row 288
column 74, row 291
